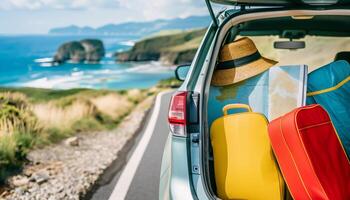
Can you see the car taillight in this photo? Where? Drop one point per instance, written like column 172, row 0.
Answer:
column 177, row 114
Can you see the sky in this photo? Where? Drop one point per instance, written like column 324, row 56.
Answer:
column 39, row 16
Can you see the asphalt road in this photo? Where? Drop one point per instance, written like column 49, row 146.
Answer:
column 145, row 184
column 145, row 180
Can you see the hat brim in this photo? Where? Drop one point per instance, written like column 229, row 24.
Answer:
column 224, row 77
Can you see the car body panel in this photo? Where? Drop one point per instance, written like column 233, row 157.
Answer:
column 165, row 171
column 175, row 170
column 180, row 181
column 198, row 61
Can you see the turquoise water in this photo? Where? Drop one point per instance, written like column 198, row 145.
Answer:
column 19, row 66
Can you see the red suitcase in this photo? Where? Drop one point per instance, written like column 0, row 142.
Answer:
column 310, row 155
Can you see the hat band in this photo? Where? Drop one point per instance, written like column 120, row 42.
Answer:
column 239, row 62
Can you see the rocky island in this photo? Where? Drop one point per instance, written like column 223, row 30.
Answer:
column 88, row 50
column 170, row 49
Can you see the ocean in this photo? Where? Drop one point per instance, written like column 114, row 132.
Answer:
column 20, row 65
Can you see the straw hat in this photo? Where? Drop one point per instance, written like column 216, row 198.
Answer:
column 239, row 61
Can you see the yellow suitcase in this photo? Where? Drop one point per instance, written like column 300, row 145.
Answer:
column 244, row 164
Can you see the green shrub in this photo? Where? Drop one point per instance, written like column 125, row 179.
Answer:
column 86, row 125
column 13, row 152
column 19, row 130
column 54, row 135
column 16, row 115
column 7, row 151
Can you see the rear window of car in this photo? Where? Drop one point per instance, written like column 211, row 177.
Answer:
column 318, row 50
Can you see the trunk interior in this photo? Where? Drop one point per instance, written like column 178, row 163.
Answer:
column 277, row 89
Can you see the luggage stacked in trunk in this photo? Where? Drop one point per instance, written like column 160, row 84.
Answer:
column 310, row 155
column 329, row 86
column 244, row 165
column 310, row 142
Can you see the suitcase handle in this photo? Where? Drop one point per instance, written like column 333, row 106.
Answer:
column 234, row 106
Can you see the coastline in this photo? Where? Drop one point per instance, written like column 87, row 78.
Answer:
column 19, row 68
column 75, row 112
column 105, row 75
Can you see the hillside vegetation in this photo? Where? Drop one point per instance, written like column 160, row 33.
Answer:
column 171, row 48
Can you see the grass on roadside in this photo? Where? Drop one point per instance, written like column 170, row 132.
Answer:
column 31, row 118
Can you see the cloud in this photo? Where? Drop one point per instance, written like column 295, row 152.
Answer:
column 144, row 9
column 152, row 9
column 46, row 14
column 148, row 9
column 56, row 4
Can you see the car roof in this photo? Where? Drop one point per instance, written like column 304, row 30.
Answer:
column 283, row 2
column 295, row 28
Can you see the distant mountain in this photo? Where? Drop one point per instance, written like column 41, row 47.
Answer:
column 137, row 28
column 73, row 30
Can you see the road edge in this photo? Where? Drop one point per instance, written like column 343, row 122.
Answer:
column 121, row 189
column 117, row 165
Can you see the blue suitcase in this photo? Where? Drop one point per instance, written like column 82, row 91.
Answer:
column 329, row 86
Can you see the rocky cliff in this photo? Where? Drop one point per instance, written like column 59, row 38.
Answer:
column 94, row 50
column 170, row 49
column 89, row 50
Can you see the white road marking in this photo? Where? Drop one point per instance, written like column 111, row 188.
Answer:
column 125, row 179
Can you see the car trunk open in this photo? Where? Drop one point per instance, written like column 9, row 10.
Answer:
column 285, row 27
column 295, row 4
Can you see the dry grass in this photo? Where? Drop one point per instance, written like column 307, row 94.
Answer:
column 52, row 116
column 9, row 127
column 136, row 95
column 16, row 114
column 64, row 113
column 113, row 105
column 26, row 122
